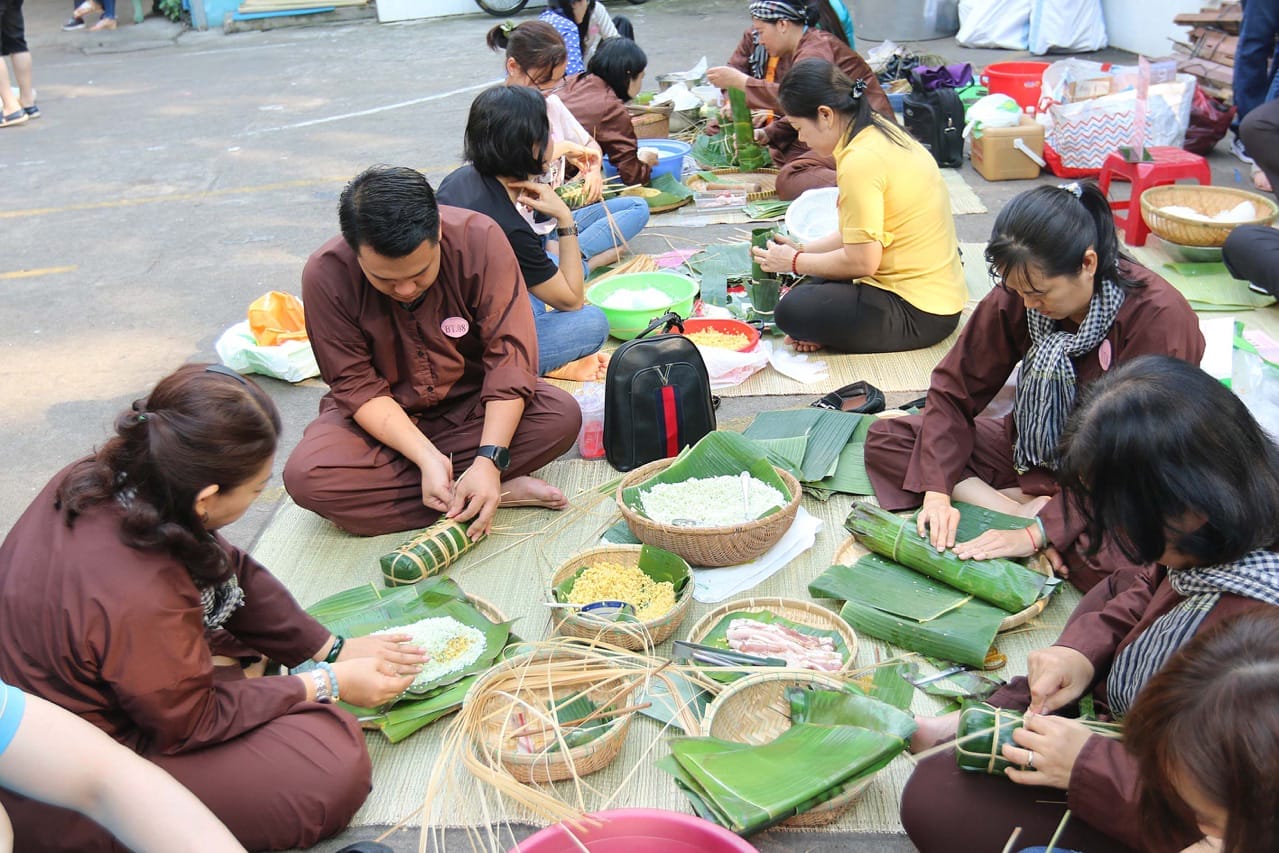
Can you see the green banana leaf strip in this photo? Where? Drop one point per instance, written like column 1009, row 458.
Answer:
column 886, row 586
column 889, row 685
column 666, row 708
column 713, row 152
column 786, row 453
column 718, row 453
column 843, row 708
column 964, row 635
column 850, row 477
column 1002, row 583
column 408, row 717
column 657, row 564
column 581, row 706
column 962, row 685
column 735, row 258
column 828, row 433
column 671, row 186
column 976, row 520
column 372, row 599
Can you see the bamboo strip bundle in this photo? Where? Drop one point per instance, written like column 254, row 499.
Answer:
column 637, row 263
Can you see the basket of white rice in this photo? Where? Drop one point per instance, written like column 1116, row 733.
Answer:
column 719, row 504
column 1191, row 215
column 657, row 584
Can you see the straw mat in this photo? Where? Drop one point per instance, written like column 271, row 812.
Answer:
column 511, row 569
column 962, row 198
column 1214, row 292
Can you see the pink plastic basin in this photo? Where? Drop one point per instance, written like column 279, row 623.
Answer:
column 638, row 831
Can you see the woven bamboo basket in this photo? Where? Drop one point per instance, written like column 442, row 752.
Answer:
column 794, row 609
column 852, row 550
column 488, row 609
column 508, row 711
column 628, row 635
column 709, row 546
column 767, row 179
column 754, row 710
column 1208, row 201
column 651, row 122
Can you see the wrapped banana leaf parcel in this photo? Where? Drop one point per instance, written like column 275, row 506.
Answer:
column 837, row 740
column 984, row 730
column 461, row 639
column 427, row 553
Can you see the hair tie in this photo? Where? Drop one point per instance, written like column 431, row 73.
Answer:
column 859, row 89
column 507, row 27
column 1073, row 188
column 142, row 417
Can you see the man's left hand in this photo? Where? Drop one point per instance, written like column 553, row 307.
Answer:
column 998, row 543
column 1056, row 743
column 476, row 495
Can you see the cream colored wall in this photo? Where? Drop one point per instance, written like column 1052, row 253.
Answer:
column 1145, row 26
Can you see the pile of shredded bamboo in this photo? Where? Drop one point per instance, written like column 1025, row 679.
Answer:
column 635, row 263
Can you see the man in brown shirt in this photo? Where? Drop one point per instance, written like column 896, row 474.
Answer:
column 422, row 328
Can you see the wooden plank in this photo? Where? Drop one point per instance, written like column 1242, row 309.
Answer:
column 1214, row 45
column 1207, row 69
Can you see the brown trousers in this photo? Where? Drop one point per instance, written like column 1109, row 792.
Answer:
column 290, row 783
column 342, row 473
column 890, row 446
column 807, row 171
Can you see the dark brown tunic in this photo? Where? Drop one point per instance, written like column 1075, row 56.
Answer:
column 368, row 345
column 598, row 109
column 949, row 442
column 945, row 809
column 117, row 636
column 801, row 169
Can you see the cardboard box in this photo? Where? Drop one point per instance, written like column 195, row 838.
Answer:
column 997, row 157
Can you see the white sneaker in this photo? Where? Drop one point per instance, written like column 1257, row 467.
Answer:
column 1237, row 149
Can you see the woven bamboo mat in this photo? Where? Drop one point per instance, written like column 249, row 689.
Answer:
column 962, row 198
column 314, row 559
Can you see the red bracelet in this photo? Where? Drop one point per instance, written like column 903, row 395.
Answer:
column 1027, row 528
column 794, row 263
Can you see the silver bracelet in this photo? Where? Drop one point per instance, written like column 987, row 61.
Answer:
column 327, row 669
column 321, row 682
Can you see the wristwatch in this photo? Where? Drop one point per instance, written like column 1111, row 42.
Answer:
column 499, row 456
column 567, row 231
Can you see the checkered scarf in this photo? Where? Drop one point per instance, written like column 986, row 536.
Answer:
column 220, row 602
column 1046, row 386
column 778, row 10
column 1255, row 576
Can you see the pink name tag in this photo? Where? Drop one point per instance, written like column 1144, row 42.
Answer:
column 1105, row 354
column 455, row 327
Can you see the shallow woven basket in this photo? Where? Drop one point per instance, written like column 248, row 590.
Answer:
column 709, row 546
column 794, row 609
column 767, row 179
column 628, row 635
column 651, row 122
column 754, row 710
column 852, row 550
column 503, row 715
column 487, row 609
column 1208, row 201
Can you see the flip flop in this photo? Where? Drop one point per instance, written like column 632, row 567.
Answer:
column 14, row 118
column 32, row 111
column 860, row 397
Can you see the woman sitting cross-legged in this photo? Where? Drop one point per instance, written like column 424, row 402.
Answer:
column 117, row 593
column 1069, row 307
column 889, row 279
column 507, row 143
column 1170, row 462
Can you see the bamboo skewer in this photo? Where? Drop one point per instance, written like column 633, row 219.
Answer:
column 600, row 714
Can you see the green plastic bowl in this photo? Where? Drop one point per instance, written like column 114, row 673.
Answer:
column 625, row 324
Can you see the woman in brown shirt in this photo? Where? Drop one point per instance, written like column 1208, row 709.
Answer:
column 786, row 30
column 116, row 592
column 1171, row 463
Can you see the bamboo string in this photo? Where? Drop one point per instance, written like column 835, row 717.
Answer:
column 1012, row 839
column 1061, row 827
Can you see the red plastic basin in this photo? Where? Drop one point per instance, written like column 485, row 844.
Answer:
column 728, row 327
column 637, row 831
column 1020, row 81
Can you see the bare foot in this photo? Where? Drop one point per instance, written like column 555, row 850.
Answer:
column 1031, row 508
column 1260, row 181
column 802, row 346
column 592, row 368
column 606, row 258
column 530, row 491
column 934, row 730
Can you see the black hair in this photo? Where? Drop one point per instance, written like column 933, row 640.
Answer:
column 1157, row 439
column 564, row 8
column 817, row 13
column 390, row 209
column 618, row 61
column 813, row 83
column 1049, row 229
column 534, row 45
column 507, row 131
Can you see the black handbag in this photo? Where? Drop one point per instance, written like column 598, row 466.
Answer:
column 657, row 397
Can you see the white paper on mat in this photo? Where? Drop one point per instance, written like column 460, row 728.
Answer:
column 1219, row 351
column 714, row 585
column 796, row 365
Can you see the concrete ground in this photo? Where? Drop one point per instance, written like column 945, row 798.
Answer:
column 176, row 175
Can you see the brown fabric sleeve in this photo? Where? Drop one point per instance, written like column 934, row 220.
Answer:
column 616, row 136
column 1099, row 634
column 1104, row 790
column 503, row 310
column 332, row 325
column 271, row 621
column 762, row 95
column 855, row 67
column 741, row 58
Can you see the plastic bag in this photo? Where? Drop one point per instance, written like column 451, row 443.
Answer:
column 1067, row 26
column 728, row 367
column 1209, row 121
column 994, row 23
column 996, row 110
column 277, row 317
column 291, row 361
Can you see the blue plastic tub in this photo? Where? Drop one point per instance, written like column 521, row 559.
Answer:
column 671, row 161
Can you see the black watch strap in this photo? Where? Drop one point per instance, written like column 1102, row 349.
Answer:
column 498, row 455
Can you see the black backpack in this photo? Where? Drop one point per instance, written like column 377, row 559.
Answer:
column 657, row 397
column 936, row 118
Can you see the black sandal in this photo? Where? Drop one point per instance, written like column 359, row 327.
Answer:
column 860, row 397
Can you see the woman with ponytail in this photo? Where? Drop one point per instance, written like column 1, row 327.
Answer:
column 117, row 592
column 784, row 33
column 889, row 278
column 571, row 19
column 1069, row 306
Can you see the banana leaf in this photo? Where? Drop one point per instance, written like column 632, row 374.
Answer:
column 735, row 259
column 427, row 553
column 669, row 709
column 827, row 434
column 976, row 520
column 716, row 454
column 886, row 586
column 888, row 684
column 1003, row 583
column 786, row 453
column 749, row 788
column 963, row 635
column 620, row 534
column 714, row 152
column 657, row 564
column 718, row 637
column 960, row 685
column 850, row 477
column 844, row 708
column 767, row 209
column 984, row 730
column 407, row 717
column 670, row 185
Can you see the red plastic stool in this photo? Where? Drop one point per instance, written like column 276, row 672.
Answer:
column 1170, row 165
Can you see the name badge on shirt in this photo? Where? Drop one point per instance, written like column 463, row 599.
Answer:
column 455, row 327
column 1105, row 354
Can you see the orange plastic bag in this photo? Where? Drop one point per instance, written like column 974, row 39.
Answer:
column 277, row 317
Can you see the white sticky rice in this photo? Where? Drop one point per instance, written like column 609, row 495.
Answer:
column 710, row 502
column 450, row 644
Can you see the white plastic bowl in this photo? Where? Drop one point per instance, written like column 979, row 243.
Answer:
column 814, row 214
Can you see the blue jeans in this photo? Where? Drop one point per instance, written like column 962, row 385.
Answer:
column 564, row 336
column 595, row 236
column 1256, row 57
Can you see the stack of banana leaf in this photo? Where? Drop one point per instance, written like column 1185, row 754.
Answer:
column 984, row 730
column 824, row 449
column 836, row 740
column 908, row 594
column 368, row 609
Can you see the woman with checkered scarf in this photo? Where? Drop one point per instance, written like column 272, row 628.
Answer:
column 1173, row 465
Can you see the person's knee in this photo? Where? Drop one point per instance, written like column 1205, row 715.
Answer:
column 594, row 326
column 558, row 411
column 343, row 769
column 1259, row 130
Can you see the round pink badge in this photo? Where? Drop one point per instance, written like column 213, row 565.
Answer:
column 1105, row 354
column 455, row 327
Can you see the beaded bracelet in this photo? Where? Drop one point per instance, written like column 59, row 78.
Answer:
column 332, row 656
column 321, row 683
column 327, row 669
column 794, row 262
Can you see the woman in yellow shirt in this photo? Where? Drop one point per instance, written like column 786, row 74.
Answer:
column 889, row 279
